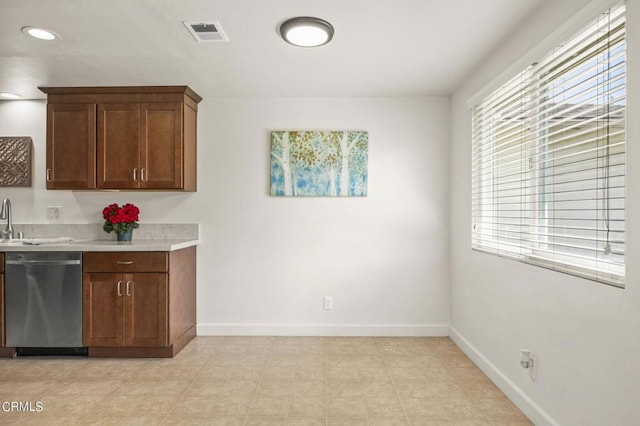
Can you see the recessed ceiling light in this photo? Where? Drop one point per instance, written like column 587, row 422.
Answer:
column 40, row 33
column 305, row 31
column 8, row 95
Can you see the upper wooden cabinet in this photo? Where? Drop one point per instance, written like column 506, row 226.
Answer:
column 128, row 138
column 71, row 146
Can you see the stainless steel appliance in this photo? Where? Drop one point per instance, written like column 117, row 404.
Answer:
column 43, row 296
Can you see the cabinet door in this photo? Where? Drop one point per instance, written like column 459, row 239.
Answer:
column 161, row 146
column 71, row 146
column 103, row 309
column 118, row 146
column 146, row 309
column 2, row 341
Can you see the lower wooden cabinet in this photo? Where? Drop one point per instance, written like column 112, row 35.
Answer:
column 125, row 309
column 2, row 341
column 2, row 338
column 138, row 303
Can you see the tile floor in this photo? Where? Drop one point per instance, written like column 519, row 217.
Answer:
column 263, row 381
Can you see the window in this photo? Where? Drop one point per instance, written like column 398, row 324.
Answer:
column 548, row 158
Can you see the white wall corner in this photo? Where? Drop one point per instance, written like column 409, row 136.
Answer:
column 532, row 410
column 333, row 330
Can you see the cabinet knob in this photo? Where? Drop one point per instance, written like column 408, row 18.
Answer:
column 119, row 288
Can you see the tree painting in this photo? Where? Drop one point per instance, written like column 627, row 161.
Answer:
column 317, row 163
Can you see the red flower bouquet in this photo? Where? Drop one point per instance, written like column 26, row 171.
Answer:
column 120, row 219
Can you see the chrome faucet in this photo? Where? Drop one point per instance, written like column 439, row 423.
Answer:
column 5, row 213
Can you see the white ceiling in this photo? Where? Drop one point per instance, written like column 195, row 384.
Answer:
column 380, row 48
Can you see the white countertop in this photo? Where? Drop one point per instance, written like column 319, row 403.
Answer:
column 104, row 245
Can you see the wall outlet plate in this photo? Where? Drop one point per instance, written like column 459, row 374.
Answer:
column 54, row 214
column 328, row 303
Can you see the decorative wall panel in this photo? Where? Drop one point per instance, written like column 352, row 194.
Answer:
column 15, row 161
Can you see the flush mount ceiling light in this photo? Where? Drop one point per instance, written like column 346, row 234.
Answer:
column 9, row 95
column 305, row 31
column 40, row 33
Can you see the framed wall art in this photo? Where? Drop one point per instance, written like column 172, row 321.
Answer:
column 319, row 163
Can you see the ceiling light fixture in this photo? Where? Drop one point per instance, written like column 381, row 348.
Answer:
column 9, row 95
column 305, row 31
column 40, row 33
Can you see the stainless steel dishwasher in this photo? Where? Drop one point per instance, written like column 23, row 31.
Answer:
column 43, row 296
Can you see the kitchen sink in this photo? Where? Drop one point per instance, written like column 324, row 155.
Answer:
column 14, row 242
column 35, row 241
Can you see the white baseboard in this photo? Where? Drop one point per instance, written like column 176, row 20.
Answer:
column 535, row 413
column 244, row 329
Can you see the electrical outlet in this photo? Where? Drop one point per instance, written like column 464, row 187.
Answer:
column 529, row 362
column 328, row 303
column 54, row 214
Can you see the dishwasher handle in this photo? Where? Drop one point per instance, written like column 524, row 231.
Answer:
column 42, row 262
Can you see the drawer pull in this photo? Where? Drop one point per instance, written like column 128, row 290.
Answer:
column 125, row 262
column 119, row 288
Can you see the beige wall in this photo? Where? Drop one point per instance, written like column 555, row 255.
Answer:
column 265, row 262
column 584, row 334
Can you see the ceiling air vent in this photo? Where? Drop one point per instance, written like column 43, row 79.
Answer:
column 206, row 31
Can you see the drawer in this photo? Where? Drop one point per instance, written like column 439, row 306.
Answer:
column 138, row 261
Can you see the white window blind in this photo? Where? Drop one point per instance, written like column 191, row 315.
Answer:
column 548, row 158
